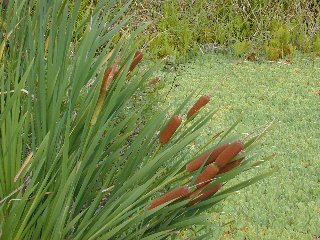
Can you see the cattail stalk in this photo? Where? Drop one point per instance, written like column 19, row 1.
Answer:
column 210, row 156
column 206, row 194
column 178, row 192
column 137, row 58
column 229, row 153
column 230, row 166
column 206, row 176
column 107, row 78
column 170, row 129
column 202, row 101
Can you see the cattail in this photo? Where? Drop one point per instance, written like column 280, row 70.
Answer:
column 197, row 163
column 229, row 153
column 178, row 192
column 206, row 194
column 137, row 58
column 230, row 166
column 170, row 129
column 208, row 174
column 107, row 78
column 210, row 156
column 202, row 101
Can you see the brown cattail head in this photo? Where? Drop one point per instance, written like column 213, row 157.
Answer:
column 208, row 174
column 178, row 192
column 108, row 76
column 229, row 153
column 137, row 58
column 170, row 129
column 210, row 156
column 206, row 194
column 202, row 101
column 197, row 163
column 230, row 166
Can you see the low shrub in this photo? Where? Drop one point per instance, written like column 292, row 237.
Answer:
column 274, row 29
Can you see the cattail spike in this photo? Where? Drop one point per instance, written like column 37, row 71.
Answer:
column 202, row 101
column 178, row 192
column 229, row 153
column 170, row 129
column 108, row 76
column 197, row 163
column 216, row 152
column 206, row 194
column 137, row 58
column 208, row 174
column 230, row 166
column 210, row 156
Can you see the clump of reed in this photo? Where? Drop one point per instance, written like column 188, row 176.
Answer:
column 79, row 142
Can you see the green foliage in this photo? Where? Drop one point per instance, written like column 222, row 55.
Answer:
column 78, row 159
column 85, row 9
column 279, row 46
column 316, row 45
column 241, row 48
column 278, row 27
column 174, row 33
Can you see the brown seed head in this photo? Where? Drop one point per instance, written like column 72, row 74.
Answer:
column 208, row 174
column 202, row 101
column 106, row 81
column 137, row 58
column 229, row 153
column 178, row 192
column 170, row 129
column 210, row 156
column 108, row 76
column 197, row 163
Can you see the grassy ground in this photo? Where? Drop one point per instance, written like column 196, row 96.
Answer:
column 287, row 205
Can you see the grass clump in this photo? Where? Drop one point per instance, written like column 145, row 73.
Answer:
column 272, row 29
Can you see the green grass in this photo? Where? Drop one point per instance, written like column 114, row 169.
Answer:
column 286, row 205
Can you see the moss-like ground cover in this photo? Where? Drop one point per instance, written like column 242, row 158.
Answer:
column 286, row 205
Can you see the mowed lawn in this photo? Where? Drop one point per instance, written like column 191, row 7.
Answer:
column 286, row 205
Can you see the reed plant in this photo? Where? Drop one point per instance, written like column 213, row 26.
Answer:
column 75, row 162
